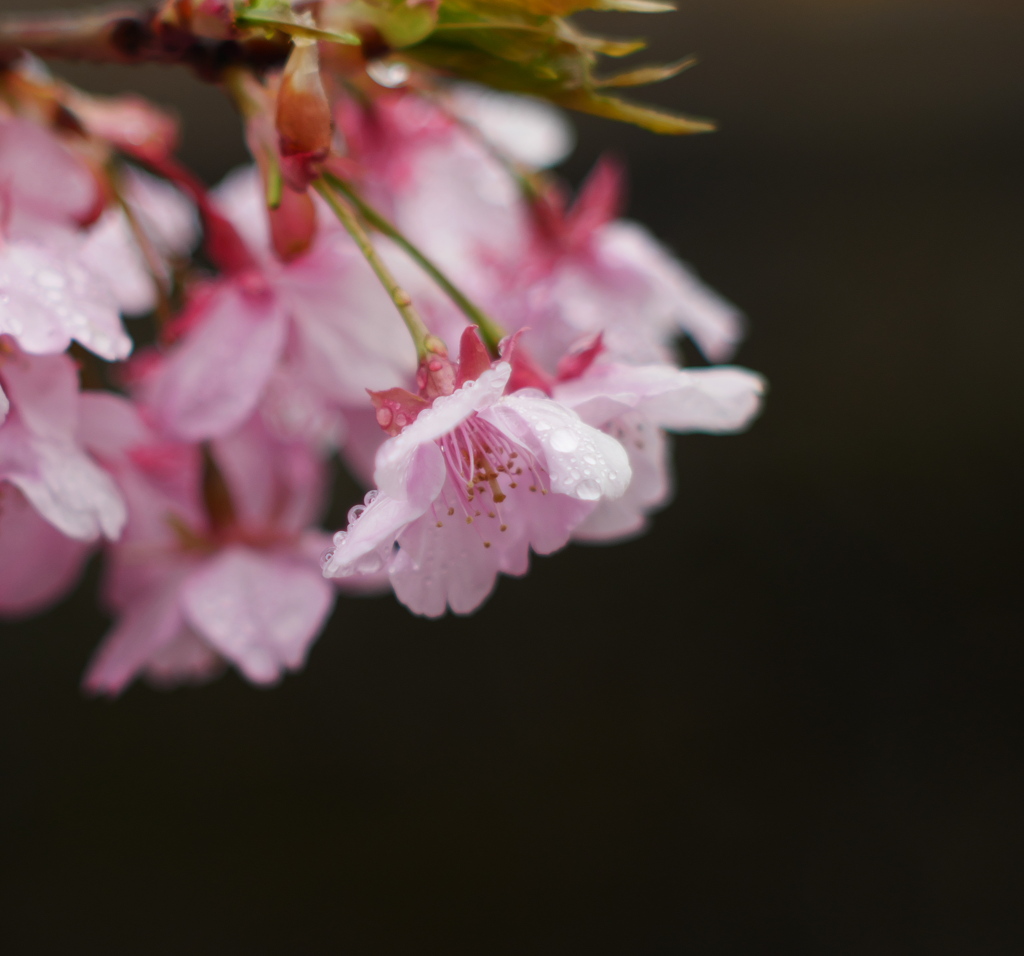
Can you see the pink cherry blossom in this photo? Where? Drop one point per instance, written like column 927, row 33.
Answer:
column 215, row 565
column 312, row 333
column 586, row 272
column 470, row 483
column 636, row 404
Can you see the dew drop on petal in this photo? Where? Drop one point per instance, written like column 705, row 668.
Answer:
column 588, row 490
column 370, row 497
column 564, row 440
column 325, row 558
column 355, row 513
column 369, row 563
column 339, row 538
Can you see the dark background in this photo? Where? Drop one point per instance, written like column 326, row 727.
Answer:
column 788, row 720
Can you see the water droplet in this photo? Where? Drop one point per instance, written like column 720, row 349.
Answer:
column 564, row 440
column 391, row 75
column 339, row 538
column 369, row 563
column 590, row 459
column 370, row 497
column 325, row 558
column 384, row 416
column 355, row 513
column 588, row 490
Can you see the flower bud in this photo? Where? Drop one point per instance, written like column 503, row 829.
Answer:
column 303, row 115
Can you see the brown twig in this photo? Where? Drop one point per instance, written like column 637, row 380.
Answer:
column 132, row 35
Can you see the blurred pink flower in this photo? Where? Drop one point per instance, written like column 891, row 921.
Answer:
column 312, row 334
column 218, row 562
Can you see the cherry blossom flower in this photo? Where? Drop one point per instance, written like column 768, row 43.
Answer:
column 636, row 404
column 218, row 563
column 469, row 483
column 586, row 272
column 319, row 328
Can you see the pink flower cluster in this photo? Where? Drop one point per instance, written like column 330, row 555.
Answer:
column 203, row 472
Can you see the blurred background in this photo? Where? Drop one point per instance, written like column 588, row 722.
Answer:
column 788, row 720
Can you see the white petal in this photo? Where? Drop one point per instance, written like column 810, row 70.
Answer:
column 582, row 462
column 526, row 130
column 50, row 298
column 369, row 538
column 651, row 485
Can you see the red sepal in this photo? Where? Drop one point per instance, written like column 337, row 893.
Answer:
column 473, row 357
column 579, row 360
column 396, row 408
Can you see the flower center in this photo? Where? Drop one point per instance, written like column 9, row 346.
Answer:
column 484, row 465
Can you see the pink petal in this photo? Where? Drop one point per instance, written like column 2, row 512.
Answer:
column 366, row 545
column 50, row 298
column 185, row 659
column 32, row 160
column 44, row 390
column 582, row 462
column 261, row 612
column 38, row 564
column 150, row 622
column 438, row 567
column 624, row 517
column 65, row 486
column 214, row 380
column 273, row 482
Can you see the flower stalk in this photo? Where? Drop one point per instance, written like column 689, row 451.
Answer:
column 426, row 343
column 491, row 332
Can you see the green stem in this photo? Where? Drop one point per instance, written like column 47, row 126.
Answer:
column 491, row 332
column 426, row 343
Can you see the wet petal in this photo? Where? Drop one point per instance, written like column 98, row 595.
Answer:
column 582, row 462
column 149, row 623
column 38, row 564
column 261, row 612
column 214, row 380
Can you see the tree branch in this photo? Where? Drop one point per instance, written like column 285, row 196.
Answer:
column 131, row 35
